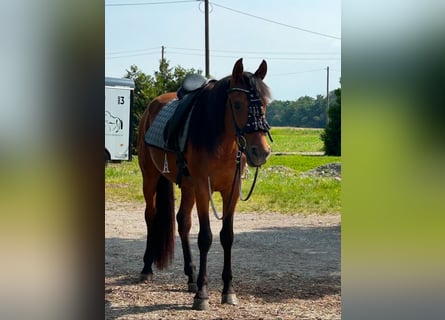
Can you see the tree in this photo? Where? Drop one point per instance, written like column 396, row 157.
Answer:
column 331, row 136
column 144, row 92
column 148, row 87
column 305, row 112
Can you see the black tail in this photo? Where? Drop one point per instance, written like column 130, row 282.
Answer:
column 162, row 227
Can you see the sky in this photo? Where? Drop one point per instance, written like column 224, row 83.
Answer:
column 251, row 29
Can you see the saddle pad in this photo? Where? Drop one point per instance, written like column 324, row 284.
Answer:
column 155, row 134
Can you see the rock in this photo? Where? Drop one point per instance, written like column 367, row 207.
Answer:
column 328, row 170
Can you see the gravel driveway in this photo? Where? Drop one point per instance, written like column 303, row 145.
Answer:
column 284, row 267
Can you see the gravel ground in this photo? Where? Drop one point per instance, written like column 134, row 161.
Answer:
column 284, row 267
column 328, row 170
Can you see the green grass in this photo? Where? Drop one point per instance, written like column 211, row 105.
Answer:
column 279, row 187
column 288, row 139
column 123, row 182
column 299, row 163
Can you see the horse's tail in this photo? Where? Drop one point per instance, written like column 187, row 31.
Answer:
column 162, row 227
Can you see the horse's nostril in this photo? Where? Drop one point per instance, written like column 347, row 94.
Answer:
column 259, row 152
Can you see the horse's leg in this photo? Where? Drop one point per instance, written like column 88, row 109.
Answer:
column 184, row 219
column 226, row 238
column 201, row 300
column 150, row 180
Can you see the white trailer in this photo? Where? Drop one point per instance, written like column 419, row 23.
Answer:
column 118, row 104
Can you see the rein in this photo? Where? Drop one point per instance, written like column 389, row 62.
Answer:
column 254, row 124
column 237, row 172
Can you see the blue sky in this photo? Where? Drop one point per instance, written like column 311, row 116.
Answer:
column 297, row 60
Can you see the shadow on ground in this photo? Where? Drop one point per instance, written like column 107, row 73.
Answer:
column 270, row 264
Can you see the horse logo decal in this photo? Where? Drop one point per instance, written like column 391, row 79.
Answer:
column 113, row 124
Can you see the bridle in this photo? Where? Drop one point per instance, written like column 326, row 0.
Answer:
column 255, row 122
column 255, row 118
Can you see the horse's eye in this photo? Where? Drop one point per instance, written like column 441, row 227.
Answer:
column 237, row 105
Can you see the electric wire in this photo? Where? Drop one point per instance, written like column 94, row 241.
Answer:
column 276, row 22
column 145, row 3
column 226, row 8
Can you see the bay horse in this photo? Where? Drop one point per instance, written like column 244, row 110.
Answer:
column 227, row 126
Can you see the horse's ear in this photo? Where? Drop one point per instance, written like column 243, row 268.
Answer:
column 262, row 70
column 238, row 70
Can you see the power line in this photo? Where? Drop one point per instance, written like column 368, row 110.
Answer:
column 297, row 72
column 226, row 56
column 227, row 8
column 271, row 55
column 261, row 52
column 132, row 51
column 256, row 57
column 133, row 55
column 276, row 22
column 230, row 51
column 145, row 3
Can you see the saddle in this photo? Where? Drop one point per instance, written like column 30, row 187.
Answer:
column 191, row 82
column 186, row 97
column 169, row 130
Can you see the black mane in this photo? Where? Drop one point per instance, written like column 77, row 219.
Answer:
column 207, row 121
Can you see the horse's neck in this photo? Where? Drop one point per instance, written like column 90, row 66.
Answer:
column 228, row 144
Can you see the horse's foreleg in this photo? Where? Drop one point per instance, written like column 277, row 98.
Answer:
column 201, row 300
column 184, row 219
column 226, row 237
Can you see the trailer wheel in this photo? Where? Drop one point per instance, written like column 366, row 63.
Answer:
column 107, row 157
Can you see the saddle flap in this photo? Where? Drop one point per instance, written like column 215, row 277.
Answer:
column 169, row 130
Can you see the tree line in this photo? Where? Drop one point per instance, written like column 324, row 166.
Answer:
column 307, row 112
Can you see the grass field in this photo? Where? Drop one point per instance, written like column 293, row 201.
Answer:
column 279, row 187
column 287, row 139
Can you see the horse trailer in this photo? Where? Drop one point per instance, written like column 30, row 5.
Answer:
column 118, row 105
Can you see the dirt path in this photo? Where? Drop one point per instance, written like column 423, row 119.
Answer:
column 284, row 267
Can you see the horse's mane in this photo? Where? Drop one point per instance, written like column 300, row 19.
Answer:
column 207, row 121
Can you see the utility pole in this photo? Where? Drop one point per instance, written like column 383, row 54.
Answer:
column 162, row 53
column 327, row 94
column 206, row 15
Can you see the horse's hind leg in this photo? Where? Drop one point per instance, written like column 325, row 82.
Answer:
column 184, row 218
column 150, row 180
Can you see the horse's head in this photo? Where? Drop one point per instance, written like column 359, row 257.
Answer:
column 247, row 99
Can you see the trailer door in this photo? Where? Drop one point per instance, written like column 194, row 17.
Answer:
column 117, row 122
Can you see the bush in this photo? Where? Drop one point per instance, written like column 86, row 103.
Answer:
column 331, row 136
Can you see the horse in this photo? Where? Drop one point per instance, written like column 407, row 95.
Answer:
column 227, row 130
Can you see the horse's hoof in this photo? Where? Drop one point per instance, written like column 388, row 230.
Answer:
column 146, row 277
column 200, row 304
column 192, row 287
column 229, row 298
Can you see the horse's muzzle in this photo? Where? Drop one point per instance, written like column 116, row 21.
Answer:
column 257, row 155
